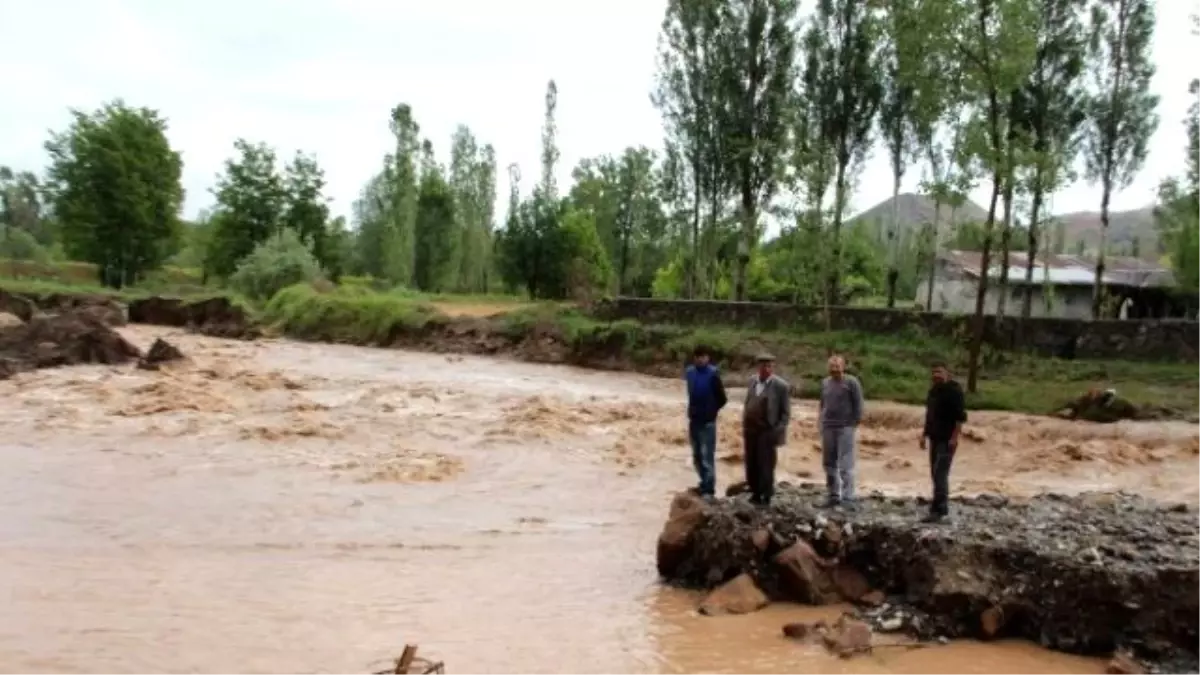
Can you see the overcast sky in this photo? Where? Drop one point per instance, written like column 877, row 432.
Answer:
column 321, row 76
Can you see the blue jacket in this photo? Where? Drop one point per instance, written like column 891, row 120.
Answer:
column 706, row 393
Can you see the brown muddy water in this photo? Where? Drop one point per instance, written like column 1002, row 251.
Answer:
column 285, row 507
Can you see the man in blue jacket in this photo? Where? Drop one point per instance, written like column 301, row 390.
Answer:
column 706, row 397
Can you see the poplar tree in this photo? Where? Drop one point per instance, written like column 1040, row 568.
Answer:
column 1121, row 111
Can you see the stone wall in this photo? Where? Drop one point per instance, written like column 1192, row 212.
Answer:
column 1148, row 340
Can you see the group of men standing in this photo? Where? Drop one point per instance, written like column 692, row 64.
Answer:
column 767, row 411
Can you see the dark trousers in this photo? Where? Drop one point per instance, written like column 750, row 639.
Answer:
column 704, row 449
column 941, row 456
column 760, row 453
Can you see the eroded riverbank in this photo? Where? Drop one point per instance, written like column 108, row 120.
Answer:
column 275, row 506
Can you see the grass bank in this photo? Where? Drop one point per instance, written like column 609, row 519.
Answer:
column 892, row 367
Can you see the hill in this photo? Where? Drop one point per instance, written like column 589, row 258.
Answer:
column 914, row 210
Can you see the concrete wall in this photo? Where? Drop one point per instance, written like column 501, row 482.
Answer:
column 1152, row 340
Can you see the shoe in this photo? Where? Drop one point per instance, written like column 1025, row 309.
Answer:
column 850, row 504
column 830, row 503
column 933, row 518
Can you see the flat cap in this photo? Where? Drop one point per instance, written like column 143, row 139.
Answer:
column 764, row 357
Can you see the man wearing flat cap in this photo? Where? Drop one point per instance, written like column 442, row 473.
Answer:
column 764, row 428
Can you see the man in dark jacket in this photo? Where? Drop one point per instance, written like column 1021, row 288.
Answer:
column 706, row 397
column 765, row 419
column 945, row 413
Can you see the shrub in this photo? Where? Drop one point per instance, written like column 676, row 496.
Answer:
column 279, row 262
column 345, row 315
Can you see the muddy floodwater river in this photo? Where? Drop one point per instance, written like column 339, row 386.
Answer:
column 286, row 507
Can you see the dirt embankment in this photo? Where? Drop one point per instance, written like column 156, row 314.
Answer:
column 216, row 317
column 1087, row 574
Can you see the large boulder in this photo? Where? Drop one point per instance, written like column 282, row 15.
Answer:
column 687, row 512
column 739, row 595
column 805, row 576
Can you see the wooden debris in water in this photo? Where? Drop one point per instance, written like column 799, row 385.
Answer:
column 408, row 663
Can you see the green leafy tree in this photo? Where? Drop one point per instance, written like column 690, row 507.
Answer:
column 1053, row 112
column 755, row 93
column 281, row 260
column 1177, row 215
column 400, row 176
column 849, row 78
column 437, row 235
column 115, row 189
column 992, row 41
column 305, row 207
column 587, row 270
column 1121, row 112
column 472, row 178
column 18, row 244
column 691, row 64
column 622, row 196
column 251, row 198
column 897, row 113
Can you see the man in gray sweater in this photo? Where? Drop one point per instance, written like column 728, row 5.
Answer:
column 840, row 411
column 764, row 428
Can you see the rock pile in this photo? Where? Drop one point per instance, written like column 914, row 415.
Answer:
column 1085, row 574
column 59, row 340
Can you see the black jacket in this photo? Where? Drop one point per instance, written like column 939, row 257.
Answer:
column 945, row 408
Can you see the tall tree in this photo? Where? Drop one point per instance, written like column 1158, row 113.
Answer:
column 1177, row 215
column 991, row 38
column 373, row 222
column 759, row 37
column 1054, row 110
column 1122, row 115
column 436, row 236
column 251, row 198
column 401, row 178
column 850, row 71
column 550, row 153
column 305, row 206
column 471, row 209
column 901, row 80
column 690, row 64
column 115, row 188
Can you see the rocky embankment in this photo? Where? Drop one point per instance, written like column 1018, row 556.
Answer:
column 1090, row 574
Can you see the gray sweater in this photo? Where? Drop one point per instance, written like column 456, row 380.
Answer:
column 841, row 402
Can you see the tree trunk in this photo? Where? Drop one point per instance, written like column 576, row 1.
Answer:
column 1005, row 246
column 933, row 254
column 1098, row 287
column 745, row 243
column 695, row 261
column 893, row 274
column 624, row 259
column 980, row 297
column 833, row 292
column 1034, row 216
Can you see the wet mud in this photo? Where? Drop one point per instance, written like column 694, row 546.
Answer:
column 49, row 341
column 1091, row 573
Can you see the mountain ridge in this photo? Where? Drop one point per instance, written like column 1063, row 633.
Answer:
column 1125, row 227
